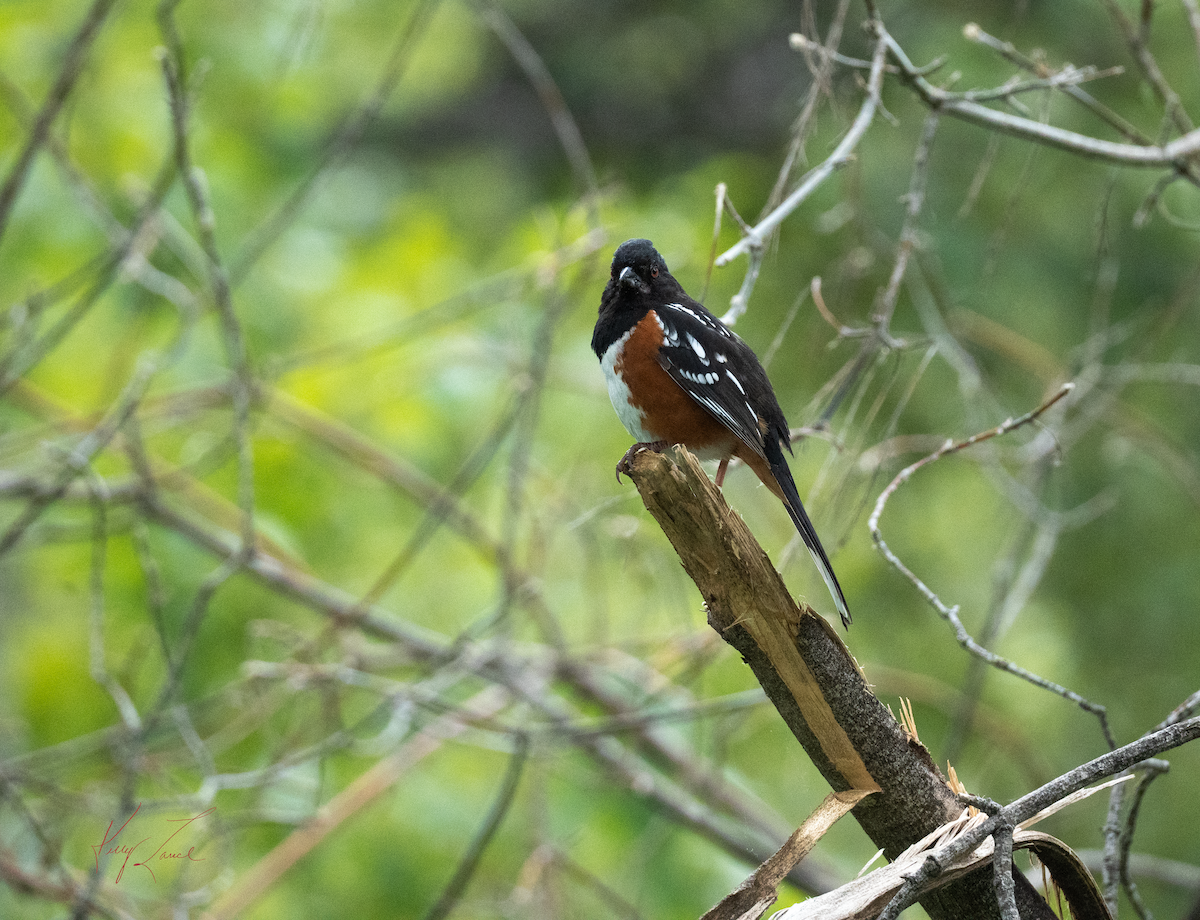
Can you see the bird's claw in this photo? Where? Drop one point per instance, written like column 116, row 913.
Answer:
column 626, row 462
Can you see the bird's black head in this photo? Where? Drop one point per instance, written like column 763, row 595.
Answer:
column 638, row 268
column 639, row 280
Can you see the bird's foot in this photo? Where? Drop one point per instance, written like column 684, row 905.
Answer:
column 657, row 446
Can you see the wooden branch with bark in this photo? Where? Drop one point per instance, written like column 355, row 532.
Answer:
column 813, row 681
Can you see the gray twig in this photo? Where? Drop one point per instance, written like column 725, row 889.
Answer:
column 64, row 83
column 841, row 155
column 950, row 613
column 457, row 885
column 1030, row 804
column 1174, row 154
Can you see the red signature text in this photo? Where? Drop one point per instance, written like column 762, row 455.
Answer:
column 125, row 849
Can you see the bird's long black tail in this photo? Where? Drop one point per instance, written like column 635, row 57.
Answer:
column 808, row 533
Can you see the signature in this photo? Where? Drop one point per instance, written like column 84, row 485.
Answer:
column 110, row 846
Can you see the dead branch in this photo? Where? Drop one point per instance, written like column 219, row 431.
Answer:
column 810, row 677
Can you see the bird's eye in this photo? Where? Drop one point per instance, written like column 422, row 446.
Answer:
column 654, row 272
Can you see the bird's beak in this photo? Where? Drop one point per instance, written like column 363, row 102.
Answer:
column 629, row 278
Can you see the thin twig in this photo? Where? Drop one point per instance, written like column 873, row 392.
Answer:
column 96, row 278
column 721, row 193
column 841, row 155
column 1153, row 770
column 454, row 889
column 801, row 42
column 826, row 313
column 64, row 83
column 821, row 87
column 1111, row 874
column 1192, row 8
column 1127, row 129
column 440, row 510
column 76, row 462
column 426, row 646
column 1037, row 542
column 1002, row 864
column 1140, row 51
column 950, row 614
column 1032, row 803
column 365, row 788
column 344, row 142
column 565, row 126
column 175, row 75
column 740, row 301
column 78, row 181
column 60, row 888
column 1174, row 154
column 98, row 666
column 886, row 307
column 1183, row 711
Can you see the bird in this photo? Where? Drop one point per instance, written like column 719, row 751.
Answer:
column 676, row 374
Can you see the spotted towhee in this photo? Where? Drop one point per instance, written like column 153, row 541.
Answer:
column 677, row 375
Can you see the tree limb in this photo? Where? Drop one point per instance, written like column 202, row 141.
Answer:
column 811, row 678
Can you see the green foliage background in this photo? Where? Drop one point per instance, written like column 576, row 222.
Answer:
column 420, row 321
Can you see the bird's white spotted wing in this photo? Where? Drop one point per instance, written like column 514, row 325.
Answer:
column 709, row 361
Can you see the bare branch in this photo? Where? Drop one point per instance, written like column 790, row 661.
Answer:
column 1002, row 859
column 950, row 614
column 242, row 382
column 1136, row 39
column 821, row 87
column 345, row 140
column 1030, row 804
column 353, row 799
column 841, row 155
column 1009, row 51
column 1174, row 154
column 65, row 82
column 564, row 124
column 886, row 307
column 454, row 889
column 76, row 462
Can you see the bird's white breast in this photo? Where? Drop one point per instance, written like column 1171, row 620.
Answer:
column 619, row 393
